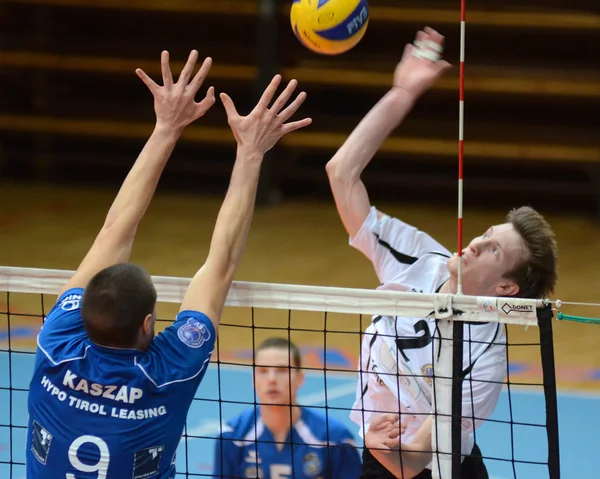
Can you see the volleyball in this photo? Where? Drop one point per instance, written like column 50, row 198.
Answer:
column 329, row 27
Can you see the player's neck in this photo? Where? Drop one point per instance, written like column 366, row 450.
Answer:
column 449, row 287
column 277, row 419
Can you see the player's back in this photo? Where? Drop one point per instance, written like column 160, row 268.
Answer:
column 106, row 413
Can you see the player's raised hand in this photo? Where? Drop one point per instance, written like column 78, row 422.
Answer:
column 174, row 102
column 264, row 126
column 421, row 63
column 384, row 432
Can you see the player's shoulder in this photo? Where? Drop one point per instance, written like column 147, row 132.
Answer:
column 62, row 336
column 68, row 302
column 426, row 275
column 324, row 426
column 194, row 329
column 237, row 427
column 181, row 352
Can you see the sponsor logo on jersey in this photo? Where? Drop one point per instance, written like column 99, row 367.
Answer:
column 193, row 333
column 71, row 302
column 254, row 472
column 252, row 457
column 427, row 371
column 311, row 466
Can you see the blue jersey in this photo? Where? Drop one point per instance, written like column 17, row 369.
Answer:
column 322, row 449
column 106, row 413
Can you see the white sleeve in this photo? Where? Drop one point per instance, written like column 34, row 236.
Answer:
column 392, row 245
column 482, row 388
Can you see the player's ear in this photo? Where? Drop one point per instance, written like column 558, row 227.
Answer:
column 507, row 288
column 299, row 377
column 148, row 324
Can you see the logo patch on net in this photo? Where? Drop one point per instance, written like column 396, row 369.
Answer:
column 517, row 308
column 193, row 333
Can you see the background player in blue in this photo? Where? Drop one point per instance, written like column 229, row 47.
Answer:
column 258, row 442
column 108, row 400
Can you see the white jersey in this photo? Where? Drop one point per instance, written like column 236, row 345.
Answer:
column 397, row 353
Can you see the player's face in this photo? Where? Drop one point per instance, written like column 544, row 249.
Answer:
column 487, row 259
column 274, row 381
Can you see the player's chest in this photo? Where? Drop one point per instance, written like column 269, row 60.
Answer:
column 407, row 339
column 269, row 462
column 405, row 347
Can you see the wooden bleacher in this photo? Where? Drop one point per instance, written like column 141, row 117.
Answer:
column 71, row 98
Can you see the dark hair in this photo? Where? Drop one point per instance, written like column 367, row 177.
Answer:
column 282, row 343
column 115, row 303
column 536, row 274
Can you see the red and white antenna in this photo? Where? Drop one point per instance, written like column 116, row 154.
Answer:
column 461, row 124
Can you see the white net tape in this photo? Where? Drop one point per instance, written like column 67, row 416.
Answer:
column 307, row 298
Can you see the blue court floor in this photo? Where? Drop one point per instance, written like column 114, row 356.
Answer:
column 579, row 422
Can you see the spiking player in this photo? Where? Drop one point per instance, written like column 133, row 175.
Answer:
column 278, row 439
column 107, row 399
column 516, row 258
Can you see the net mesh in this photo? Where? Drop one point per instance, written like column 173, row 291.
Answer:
column 519, row 439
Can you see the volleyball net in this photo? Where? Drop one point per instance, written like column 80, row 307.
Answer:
column 329, row 325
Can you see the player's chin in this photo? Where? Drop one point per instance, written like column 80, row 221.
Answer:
column 276, row 398
column 453, row 265
column 273, row 398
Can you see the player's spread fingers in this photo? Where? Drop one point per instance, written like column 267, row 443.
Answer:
column 267, row 95
column 207, row 102
column 295, row 125
column 146, row 79
column 284, row 97
column 229, row 106
column 186, row 73
column 201, row 74
column 292, row 107
column 166, row 69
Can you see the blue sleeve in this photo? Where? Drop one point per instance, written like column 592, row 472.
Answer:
column 182, row 351
column 345, row 457
column 63, row 328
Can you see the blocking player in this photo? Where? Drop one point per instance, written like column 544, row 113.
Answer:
column 107, row 398
column 516, row 258
column 278, row 439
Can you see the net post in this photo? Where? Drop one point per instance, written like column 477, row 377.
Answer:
column 441, row 434
column 545, row 316
column 457, row 388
